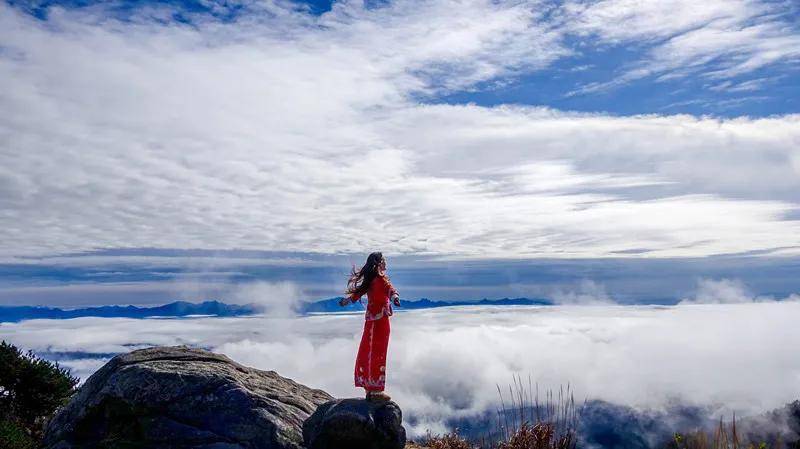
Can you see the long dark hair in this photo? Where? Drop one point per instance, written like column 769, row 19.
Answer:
column 359, row 281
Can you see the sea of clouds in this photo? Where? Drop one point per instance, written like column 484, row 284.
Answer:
column 445, row 364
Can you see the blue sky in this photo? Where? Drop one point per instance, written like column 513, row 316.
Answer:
column 644, row 146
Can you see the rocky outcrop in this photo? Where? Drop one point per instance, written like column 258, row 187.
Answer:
column 178, row 398
column 355, row 424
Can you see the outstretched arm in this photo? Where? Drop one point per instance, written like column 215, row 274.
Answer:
column 393, row 294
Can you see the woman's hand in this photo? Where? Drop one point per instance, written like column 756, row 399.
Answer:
column 344, row 301
column 396, row 299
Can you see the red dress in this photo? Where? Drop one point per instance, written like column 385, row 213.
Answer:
column 370, row 371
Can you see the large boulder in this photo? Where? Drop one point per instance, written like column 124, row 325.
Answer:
column 177, row 397
column 355, row 424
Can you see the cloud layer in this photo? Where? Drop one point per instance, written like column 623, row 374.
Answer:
column 285, row 131
column 445, row 363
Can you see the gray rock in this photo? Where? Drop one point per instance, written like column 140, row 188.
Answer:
column 180, row 398
column 355, row 424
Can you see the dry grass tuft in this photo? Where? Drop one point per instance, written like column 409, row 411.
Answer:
column 722, row 438
column 538, row 436
column 524, row 421
column 448, row 441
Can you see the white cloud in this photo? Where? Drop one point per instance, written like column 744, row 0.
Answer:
column 745, row 86
column 445, row 363
column 587, row 292
column 290, row 133
column 795, row 160
column 272, row 298
column 723, row 291
column 651, row 20
column 727, row 291
column 717, row 39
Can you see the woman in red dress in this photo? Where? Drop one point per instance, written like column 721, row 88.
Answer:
column 371, row 279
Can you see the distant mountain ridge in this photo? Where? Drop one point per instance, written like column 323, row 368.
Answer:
column 180, row 309
column 332, row 304
column 175, row 309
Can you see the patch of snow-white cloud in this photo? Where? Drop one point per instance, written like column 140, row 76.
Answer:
column 728, row 291
column 279, row 299
column 587, row 292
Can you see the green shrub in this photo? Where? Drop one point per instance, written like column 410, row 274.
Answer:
column 12, row 436
column 31, row 389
